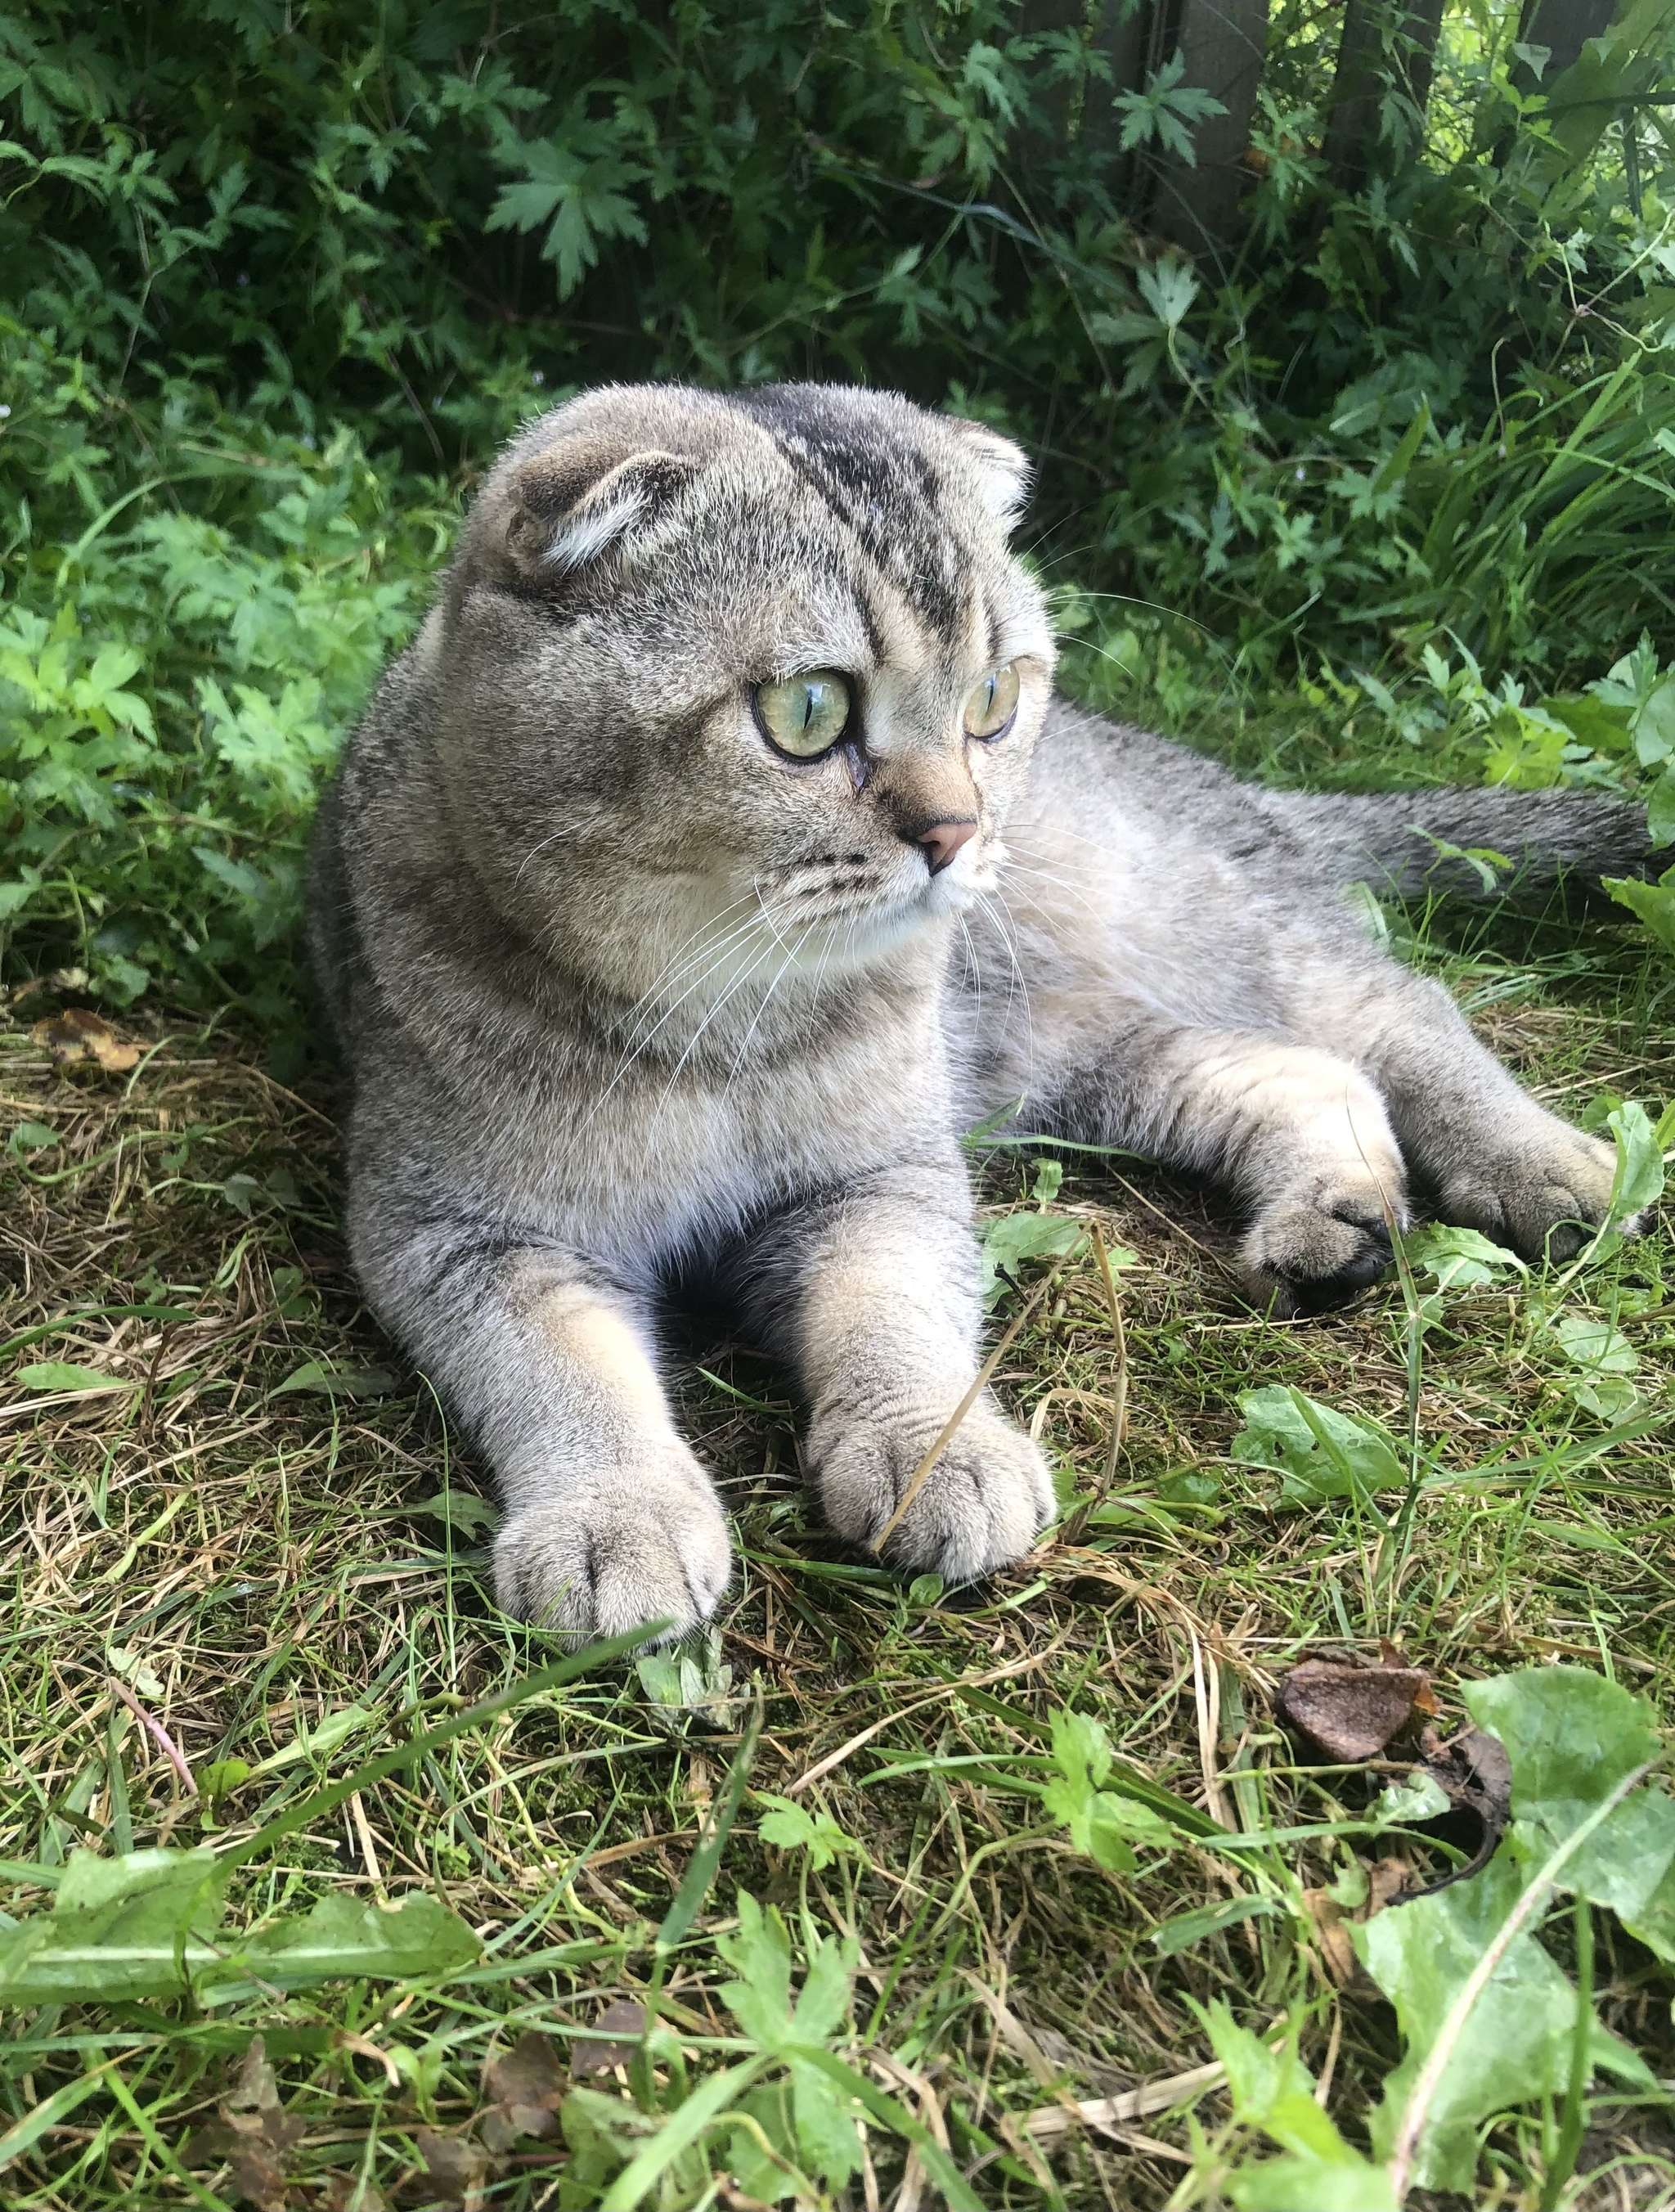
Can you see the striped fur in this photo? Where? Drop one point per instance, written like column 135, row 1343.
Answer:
column 631, row 1002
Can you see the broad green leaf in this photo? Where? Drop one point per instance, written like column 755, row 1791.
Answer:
column 144, row 1924
column 223, row 1776
column 1081, row 1748
column 1102, row 1824
column 1515, row 2048
column 458, row 1509
column 760, row 1954
column 1653, row 1921
column 133, row 1926
column 1601, row 727
column 1572, row 1736
column 760, row 2000
column 791, row 1827
column 823, row 2002
column 1025, row 1235
column 767, row 2166
column 1595, row 1344
column 1350, row 2184
column 1654, row 724
column 1461, row 1258
column 602, row 2132
column 1638, row 1182
column 954, row 2190
column 1323, row 1454
column 691, row 1681
column 133, row 1668
column 1272, row 2090
column 332, row 1728
column 337, row 1383
column 342, row 1939
column 1660, row 808
column 1651, row 903
column 1405, row 1804
column 825, row 2126
column 61, row 1374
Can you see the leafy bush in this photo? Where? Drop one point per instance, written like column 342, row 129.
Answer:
column 278, row 280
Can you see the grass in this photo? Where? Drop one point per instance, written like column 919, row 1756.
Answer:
column 242, row 1558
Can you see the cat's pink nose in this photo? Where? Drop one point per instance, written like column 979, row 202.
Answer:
column 942, row 839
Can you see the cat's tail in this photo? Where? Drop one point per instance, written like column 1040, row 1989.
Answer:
column 1394, row 841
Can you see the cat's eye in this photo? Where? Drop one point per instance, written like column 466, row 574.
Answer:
column 990, row 709
column 805, row 715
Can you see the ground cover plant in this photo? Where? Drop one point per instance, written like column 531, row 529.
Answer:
column 326, row 1886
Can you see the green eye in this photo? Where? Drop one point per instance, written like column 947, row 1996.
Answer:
column 805, row 715
column 994, row 703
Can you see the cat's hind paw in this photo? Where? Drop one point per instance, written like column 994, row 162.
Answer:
column 1542, row 1188
column 1309, row 1256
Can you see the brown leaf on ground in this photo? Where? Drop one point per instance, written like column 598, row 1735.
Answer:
column 1337, row 1952
column 1350, row 1711
column 1473, row 1772
column 626, row 2021
column 341, row 2195
column 251, row 2134
column 1386, row 1881
column 457, row 2166
column 77, row 1038
column 525, row 2087
column 1386, row 1884
column 257, row 2089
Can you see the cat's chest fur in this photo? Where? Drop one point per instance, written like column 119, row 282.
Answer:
column 649, row 1159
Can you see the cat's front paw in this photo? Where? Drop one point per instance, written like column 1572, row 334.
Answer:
column 618, row 1550
column 1541, row 1187
column 982, row 1506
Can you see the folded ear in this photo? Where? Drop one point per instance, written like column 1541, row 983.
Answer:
column 571, row 502
column 999, row 470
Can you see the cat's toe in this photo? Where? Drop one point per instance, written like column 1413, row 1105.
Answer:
column 1542, row 1191
column 616, row 1552
column 1305, row 1259
column 983, row 1502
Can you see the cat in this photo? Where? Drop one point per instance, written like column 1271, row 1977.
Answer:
column 716, row 855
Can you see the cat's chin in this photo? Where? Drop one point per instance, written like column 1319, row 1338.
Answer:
column 951, row 894
column 869, row 937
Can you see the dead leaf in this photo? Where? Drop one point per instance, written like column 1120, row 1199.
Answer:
column 624, row 2019
column 76, row 1037
column 457, row 2165
column 1350, row 1711
column 341, row 2197
column 1050, row 2120
column 1061, row 2052
column 1386, row 1884
column 1336, row 1951
column 251, row 2134
column 525, row 2086
column 257, row 2089
column 1475, row 1774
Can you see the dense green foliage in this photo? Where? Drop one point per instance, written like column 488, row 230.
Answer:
column 277, row 278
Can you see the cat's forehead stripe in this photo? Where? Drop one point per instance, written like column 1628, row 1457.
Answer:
column 881, row 490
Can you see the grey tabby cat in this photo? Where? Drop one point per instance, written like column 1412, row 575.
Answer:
column 715, row 856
